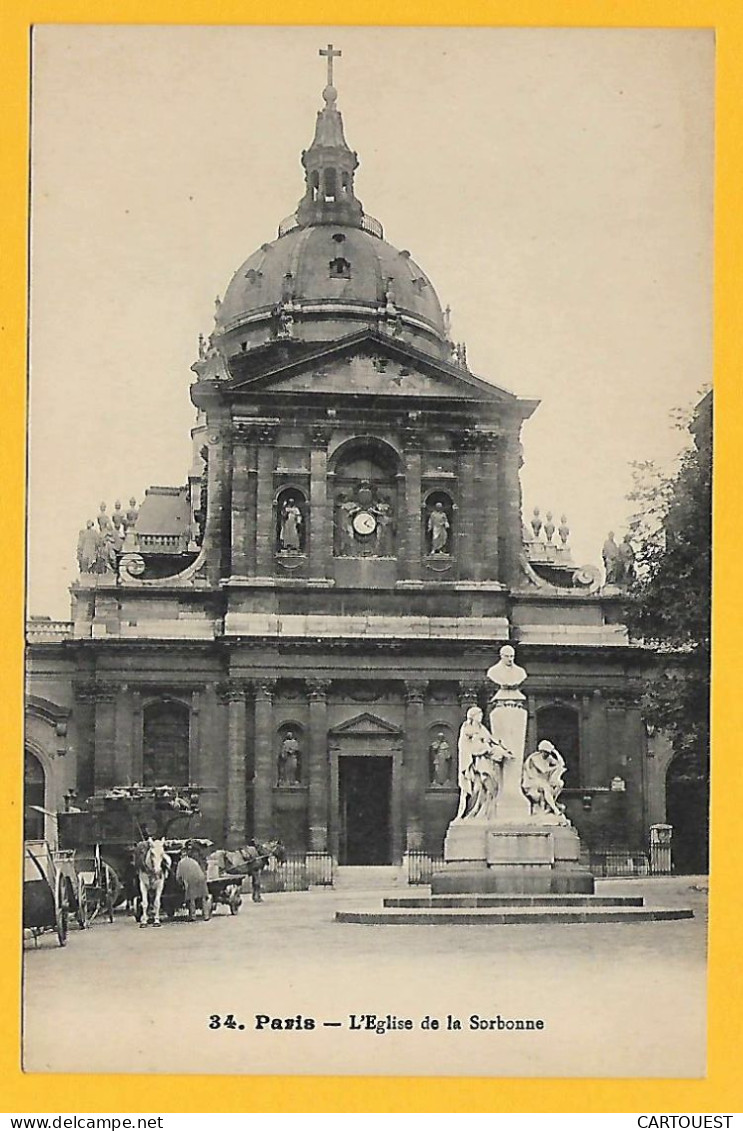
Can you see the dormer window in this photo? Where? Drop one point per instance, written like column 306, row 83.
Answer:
column 339, row 237
column 340, row 268
column 253, row 276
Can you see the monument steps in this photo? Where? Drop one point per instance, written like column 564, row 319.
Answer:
column 510, row 915
column 475, row 900
column 366, row 877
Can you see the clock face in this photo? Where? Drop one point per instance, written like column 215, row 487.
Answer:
column 364, row 523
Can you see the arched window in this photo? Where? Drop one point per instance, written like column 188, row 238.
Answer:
column 329, row 185
column 34, row 793
column 439, row 524
column 365, row 498
column 166, row 724
column 291, row 521
column 314, row 184
column 560, row 725
column 290, row 755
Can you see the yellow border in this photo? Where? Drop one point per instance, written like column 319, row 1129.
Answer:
column 721, row 1090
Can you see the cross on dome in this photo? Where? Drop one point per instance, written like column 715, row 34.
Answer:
column 329, row 53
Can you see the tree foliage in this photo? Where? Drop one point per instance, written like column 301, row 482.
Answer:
column 669, row 601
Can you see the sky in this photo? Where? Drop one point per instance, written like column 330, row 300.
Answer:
column 556, row 186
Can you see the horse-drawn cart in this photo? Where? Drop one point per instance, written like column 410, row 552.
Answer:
column 45, row 892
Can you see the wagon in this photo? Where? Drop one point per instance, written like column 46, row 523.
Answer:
column 173, row 896
column 45, row 892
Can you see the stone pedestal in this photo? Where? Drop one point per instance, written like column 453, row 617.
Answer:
column 527, row 857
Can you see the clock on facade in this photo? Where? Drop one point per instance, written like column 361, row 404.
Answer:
column 364, row 523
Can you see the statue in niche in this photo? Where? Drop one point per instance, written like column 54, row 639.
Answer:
column 612, row 560
column 542, row 783
column 480, row 759
column 289, row 756
column 290, row 531
column 438, row 527
column 88, row 542
column 440, row 758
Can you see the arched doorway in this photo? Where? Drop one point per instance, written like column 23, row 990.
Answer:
column 165, row 743
column 34, row 794
column 687, row 810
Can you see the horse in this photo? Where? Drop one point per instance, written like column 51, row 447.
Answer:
column 152, row 864
column 250, row 860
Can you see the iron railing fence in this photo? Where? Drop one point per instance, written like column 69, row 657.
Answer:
column 297, row 872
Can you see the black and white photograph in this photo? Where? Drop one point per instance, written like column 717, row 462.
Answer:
column 368, row 551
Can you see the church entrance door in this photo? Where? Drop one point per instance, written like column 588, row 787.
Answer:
column 365, row 798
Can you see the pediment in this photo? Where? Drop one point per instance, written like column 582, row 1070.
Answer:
column 366, row 725
column 371, row 365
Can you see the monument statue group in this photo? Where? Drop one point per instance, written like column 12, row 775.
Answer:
column 510, row 832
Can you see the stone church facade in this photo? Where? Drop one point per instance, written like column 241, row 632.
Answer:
column 300, row 627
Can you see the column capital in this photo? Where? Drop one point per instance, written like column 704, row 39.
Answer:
column 106, row 692
column 263, row 689
column 468, row 694
column 85, row 690
column 232, row 691
column 413, row 438
column 415, row 691
column 320, row 435
column 317, row 689
column 467, row 440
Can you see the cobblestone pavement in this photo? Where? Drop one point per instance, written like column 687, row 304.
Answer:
column 615, row 1000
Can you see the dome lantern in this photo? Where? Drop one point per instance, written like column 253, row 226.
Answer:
column 329, row 165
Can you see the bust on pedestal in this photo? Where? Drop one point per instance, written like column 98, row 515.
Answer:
column 510, row 834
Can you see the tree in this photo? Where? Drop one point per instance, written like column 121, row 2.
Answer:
column 669, row 600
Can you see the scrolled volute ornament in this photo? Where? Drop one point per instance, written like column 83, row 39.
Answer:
column 131, row 567
column 587, row 578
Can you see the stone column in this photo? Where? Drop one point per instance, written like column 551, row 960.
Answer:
column 510, row 533
column 264, row 777
column 233, row 694
column 320, row 517
column 240, row 555
column 466, row 443
column 265, row 534
column 415, row 758
column 194, row 738
column 85, row 731
column 488, row 506
column 105, row 736
column 410, row 524
column 317, row 690
column 137, row 737
column 598, row 742
column 123, row 759
column 216, row 534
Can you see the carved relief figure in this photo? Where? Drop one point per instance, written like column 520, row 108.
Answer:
column 382, row 511
column 440, row 758
column 438, row 527
column 290, row 533
column 289, row 756
column 542, row 782
column 345, row 512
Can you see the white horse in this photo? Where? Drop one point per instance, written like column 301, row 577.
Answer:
column 152, row 863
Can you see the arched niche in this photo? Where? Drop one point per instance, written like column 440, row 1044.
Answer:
column 290, row 755
column 34, row 796
column 439, row 524
column 442, row 756
column 560, row 725
column 166, row 726
column 364, row 477
column 291, row 522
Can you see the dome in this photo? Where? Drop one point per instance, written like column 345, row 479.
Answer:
column 324, row 281
column 330, row 273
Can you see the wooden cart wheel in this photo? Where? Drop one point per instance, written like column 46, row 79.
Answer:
column 82, row 913
column 61, row 915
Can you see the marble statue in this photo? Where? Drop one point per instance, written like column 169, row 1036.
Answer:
column 612, row 561
column 438, row 528
column 627, row 560
column 104, row 522
column 480, row 759
column 508, row 727
column 542, row 783
column 132, row 514
column 440, row 756
column 88, row 541
column 289, row 760
column 290, row 534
